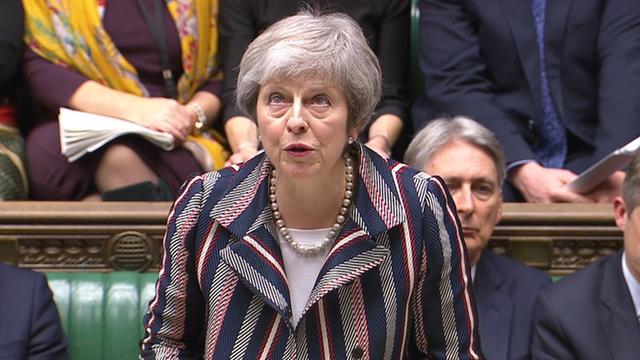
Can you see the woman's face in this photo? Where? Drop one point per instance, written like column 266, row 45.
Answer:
column 303, row 125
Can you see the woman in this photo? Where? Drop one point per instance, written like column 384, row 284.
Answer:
column 148, row 62
column 317, row 247
column 13, row 179
column 386, row 25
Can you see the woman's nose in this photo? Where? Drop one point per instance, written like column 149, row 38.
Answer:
column 296, row 123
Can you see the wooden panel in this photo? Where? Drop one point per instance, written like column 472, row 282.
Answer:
column 88, row 236
column 559, row 238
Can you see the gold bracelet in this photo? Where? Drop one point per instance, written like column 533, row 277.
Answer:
column 201, row 118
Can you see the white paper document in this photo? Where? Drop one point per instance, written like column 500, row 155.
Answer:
column 82, row 132
column 601, row 170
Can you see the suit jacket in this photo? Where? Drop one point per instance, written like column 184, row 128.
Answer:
column 480, row 59
column 29, row 323
column 587, row 315
column 395, row 285
column 505, row 292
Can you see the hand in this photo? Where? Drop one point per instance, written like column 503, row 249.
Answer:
column 244, row 152
column 165, row 115
column 545, row 185
column 606, row 191
column 379, row 144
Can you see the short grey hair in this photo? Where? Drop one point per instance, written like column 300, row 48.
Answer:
column 631, row 185
column 331, row 46
column 440, row 132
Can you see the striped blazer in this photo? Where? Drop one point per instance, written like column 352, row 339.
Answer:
column 395, row 285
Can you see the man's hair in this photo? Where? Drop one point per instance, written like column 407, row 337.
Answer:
column 440, row 132
column 631, row 185
column 331, row 46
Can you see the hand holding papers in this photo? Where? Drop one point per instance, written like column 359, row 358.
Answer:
column 83, row 132
column 601, row 170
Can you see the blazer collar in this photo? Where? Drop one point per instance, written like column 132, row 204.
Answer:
column 495, row 308
column 255, row 254
column 618, row 314
column 378, row 207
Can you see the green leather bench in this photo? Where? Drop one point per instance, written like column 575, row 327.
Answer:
column 102, row 313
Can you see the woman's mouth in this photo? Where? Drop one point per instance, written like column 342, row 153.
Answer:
column 298, row 150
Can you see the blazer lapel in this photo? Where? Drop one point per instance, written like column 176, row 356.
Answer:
column 377, row 209
column 555, row 33
column 495, row 310
column 254, row 255
column 257, row 260
column 617, row 314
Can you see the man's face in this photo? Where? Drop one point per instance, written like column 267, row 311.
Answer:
column 472, row 179
column 629, row 223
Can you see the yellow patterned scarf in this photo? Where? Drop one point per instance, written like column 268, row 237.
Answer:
column 70, row 33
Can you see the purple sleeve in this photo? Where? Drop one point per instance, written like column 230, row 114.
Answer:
column 212, row 86
column 51, row 85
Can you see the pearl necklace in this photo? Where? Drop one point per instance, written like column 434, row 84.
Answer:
column 335, row 228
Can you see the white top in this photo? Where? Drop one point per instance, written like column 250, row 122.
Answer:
column 632, row 284
column 302, row 271
column 473, row 273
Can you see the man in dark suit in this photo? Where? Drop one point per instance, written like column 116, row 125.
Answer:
column 556, row 81
column 29, row 323
column 595, row 313
column 470, row 160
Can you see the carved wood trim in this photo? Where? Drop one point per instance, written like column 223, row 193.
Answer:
column 559, row 238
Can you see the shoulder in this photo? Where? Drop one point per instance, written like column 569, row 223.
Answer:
column 21, row 285
column 580, row 287
column 414, row 185
column 516, row 272
column 211, row 186
column 409, row 176
column 19, row 277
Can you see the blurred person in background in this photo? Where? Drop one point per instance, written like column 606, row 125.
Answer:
column 555, row 81
column 145, row 61
column 594, row 313
column 29, row 322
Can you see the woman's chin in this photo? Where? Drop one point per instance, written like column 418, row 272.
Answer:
column 298, row 170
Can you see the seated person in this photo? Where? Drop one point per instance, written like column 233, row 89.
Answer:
column 13, row 179
column 556, row 81
column 148, row 62
column 29, row 322
column 595, row 312
column 471, row 161
column 386, row 25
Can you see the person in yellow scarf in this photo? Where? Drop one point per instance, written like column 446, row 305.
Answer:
column 149, row 62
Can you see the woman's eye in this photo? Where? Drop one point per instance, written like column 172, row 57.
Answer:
column 276, row 99
column 321, row 100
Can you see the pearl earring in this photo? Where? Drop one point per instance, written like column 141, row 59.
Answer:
column 350, row 140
